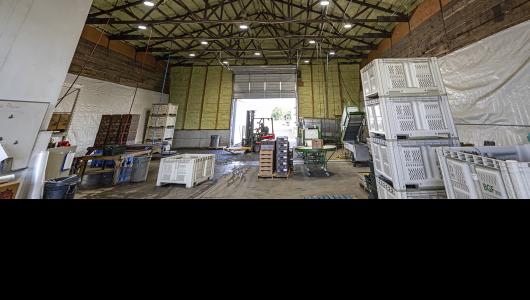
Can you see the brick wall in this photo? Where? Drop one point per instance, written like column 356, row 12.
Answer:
column 438, row 27
column 116, row 62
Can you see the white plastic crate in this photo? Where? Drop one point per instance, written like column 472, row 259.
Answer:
column 164, row 109
column 410, row 117
column 486, row 172
column 159, row 133
column 166, row 121
column 402, row 77
column 386, row 191
column 188, row 169
column 409, row 164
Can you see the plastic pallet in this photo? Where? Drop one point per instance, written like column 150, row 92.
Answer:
column 410, row 117
column 409, row 164
column 386, row 191
column 469, row 174
column 402, row 77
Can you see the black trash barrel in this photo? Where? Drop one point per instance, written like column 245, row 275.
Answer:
column 61, row 188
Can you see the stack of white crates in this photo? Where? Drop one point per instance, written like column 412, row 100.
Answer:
column 161, row 125
column 408, row 118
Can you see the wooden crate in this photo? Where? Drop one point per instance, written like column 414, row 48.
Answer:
column 8, row 191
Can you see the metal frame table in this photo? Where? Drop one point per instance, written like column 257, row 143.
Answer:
column 316, row 157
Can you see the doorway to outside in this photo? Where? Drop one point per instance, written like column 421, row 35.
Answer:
column 284, row 113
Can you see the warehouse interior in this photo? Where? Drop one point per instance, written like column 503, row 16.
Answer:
column 255, row 99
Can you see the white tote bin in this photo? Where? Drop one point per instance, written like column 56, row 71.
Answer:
column 409, row 164
column 164, row 109
column 410, row 117
column 160, row 133
column 402, row 77
column 486, row 172
column 386, row 191
column 188, row 169
column 166, row 121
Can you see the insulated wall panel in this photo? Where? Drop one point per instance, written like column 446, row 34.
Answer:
column 334, row 100
column 211, row 98
column 180, row 82
column 195, row 98
column 319, row 91
column 350, row 84
column 305, row 92
column 225, row 101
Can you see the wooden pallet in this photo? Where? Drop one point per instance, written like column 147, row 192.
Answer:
column 274, row 175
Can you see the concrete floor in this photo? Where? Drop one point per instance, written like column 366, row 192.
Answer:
column 236, row 177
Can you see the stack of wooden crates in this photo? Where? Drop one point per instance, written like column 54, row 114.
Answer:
column 117, row 130
column 275, row 159
column 161, row 125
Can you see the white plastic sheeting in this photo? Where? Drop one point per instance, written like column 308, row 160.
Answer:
column 489, row 87
column 97, row 98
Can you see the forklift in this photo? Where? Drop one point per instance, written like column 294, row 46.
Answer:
column 254, row 135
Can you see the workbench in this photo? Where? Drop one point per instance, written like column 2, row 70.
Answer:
column 117, row 159
column 316, row 157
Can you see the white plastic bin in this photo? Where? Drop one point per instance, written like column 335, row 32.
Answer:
column 166, row 121
column 410, row 117
column 386, row 191
column 409, row 164
column 164, row 109
column 188, row 169
column 402, row 77
column 160, row 133
column 486, row 172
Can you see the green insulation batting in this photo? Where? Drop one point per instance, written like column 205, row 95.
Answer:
column 195, row 98
column 225, row 101
column 211, row 98
column 350, row 77
column 305, row 92
column 319, row 91
column 334, row 105
column 180, row 81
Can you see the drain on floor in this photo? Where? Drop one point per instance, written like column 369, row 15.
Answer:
column 329, row 197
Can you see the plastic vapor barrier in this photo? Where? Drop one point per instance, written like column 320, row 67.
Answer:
column 489, row 86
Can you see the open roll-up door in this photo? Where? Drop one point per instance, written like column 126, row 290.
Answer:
column 265, row 82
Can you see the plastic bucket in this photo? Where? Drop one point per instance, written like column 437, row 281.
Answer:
column 140, row 169
column 215, row 141
column 61, row 188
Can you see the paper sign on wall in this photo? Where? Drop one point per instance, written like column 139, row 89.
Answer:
column 3, row 154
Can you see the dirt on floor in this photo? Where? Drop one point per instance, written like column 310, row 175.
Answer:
column 236, row 177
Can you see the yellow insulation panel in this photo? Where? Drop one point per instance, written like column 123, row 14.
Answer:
column 305, row 92
column 334, row 105
column 195, row 98
column 351, row 85
column 319, row 90
column 180, row 81
column 211, row 98
column 225, row 101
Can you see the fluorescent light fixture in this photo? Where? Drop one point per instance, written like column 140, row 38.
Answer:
column 324, row 3
column 243, row 26
column 257, row 54
column 332, row 53
column 348, row 26
column 142, row 27
column 149, row 3
column 192, row 55
column 312, row 42
column 306, row 61
column 204, row 43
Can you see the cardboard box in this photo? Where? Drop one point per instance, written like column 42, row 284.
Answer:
column 8, row 191
column 317, row 143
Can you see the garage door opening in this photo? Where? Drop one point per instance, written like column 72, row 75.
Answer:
column 283, row 112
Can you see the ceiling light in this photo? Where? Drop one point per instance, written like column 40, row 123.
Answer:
column 192, row 55
column 312, row 42
column 142, row 27
column 348, row 26
column 307, row 61
column 257, row 54
column 149, row 3
column 243, row 26
column 204, row 43
column 332, row 53
column 324, row 3
column 225, row 62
